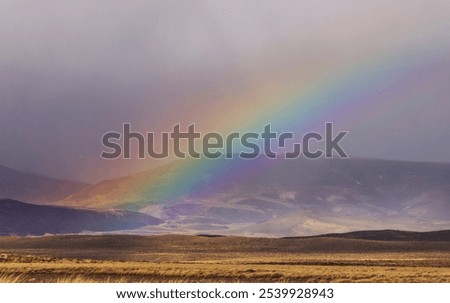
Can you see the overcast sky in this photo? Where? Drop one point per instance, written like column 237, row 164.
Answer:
column 72, row 70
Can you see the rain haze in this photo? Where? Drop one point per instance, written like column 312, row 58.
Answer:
column 71, row 71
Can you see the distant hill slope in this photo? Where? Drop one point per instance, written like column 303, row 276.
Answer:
column 278, row 198
column 308, row 180
column 390, row 235
column 18, row 218
column 23, row 186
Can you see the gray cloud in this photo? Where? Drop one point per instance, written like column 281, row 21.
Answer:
column 72, row 70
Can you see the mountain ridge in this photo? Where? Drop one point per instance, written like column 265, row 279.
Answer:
column 278, row 198
column 33, row 188
column 19, row 218
column 387, row 235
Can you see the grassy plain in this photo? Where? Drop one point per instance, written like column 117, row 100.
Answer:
column 174, row 258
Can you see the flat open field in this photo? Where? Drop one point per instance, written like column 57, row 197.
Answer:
column 175, row 258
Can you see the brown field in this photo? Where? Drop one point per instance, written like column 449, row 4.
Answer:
column 220, row 259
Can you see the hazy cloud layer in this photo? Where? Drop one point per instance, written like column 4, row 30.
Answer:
column 73, row 70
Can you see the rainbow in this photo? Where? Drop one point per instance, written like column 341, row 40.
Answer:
column 358, row 94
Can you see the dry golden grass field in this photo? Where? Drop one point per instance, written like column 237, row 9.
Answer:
column 174, row 258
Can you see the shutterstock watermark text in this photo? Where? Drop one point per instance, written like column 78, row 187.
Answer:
column 185, row 143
